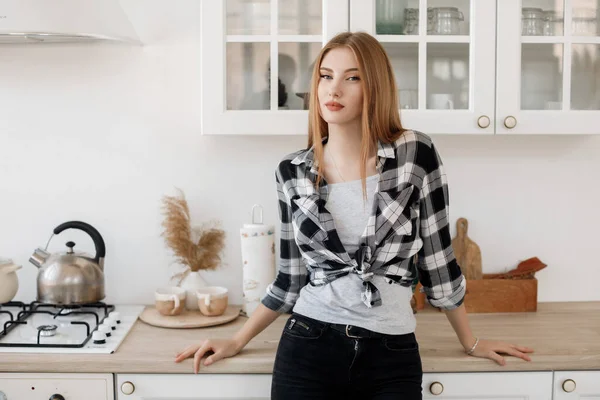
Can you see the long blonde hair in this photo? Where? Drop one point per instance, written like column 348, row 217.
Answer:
column 380, row 111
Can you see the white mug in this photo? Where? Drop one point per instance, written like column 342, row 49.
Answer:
column 442, row 101
column 554, row 105
column 212, row 300
column 170, row 300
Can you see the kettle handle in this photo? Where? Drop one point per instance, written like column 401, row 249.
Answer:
column 90, row 230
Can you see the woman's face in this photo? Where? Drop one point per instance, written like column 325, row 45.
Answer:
column 340, row 91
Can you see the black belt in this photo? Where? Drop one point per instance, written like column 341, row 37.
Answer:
column 350, row 331
column 356, row 332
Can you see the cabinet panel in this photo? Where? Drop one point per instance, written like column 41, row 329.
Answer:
column 256, row 62
column 488, row 386
column 192, row 387
column 576, row 385
column 443, row 56
column 41, row 386
column 548, row 57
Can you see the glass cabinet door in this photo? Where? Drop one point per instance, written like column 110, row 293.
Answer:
column 257, row 59
column 445, row 78
column 548, row 66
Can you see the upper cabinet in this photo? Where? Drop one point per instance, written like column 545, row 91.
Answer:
column 548, row 66
column 257, row 59
column 442, row 53
column 461, row 66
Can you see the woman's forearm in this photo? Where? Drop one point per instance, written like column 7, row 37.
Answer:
column 258, row 321
column 460, row 322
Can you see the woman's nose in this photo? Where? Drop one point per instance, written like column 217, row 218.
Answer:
column 334, row 91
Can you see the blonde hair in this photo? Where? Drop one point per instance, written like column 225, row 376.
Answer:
column 380, row 111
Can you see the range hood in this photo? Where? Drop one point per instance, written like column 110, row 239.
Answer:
column 60, row 21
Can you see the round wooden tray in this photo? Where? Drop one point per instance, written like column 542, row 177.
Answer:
column 188, row 319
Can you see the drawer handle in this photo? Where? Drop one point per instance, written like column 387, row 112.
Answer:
column 127, row 388
column 510, row 122
column 483, row 121
column 436, row 388
column 569, row 385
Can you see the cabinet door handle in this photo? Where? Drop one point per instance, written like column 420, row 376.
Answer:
column 483, row 121
column 569, row 385
column 510, row 122
column 436, row 388
column 127, row 388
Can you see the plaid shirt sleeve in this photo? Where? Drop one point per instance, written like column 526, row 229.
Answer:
column 293, row 275
column 439, row 273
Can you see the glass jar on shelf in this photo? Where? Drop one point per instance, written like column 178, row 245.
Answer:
column 411, row 21
column 585, row 22
column 532, row 21
column 389, row 16
column 553, row 23
column 444, row 20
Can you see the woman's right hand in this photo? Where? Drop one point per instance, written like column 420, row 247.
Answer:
column 220, row 348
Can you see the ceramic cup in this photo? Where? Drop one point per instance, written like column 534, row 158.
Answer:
column 212, row 300
column 442, row 101
column 170, row 300
column 553, row 105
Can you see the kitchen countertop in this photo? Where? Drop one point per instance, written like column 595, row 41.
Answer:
column 565, row 336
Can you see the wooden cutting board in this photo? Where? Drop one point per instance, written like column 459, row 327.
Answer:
column 466, row 251
column 188, row 319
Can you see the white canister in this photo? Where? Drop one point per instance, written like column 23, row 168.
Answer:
column 9, row 283
column 258, row 260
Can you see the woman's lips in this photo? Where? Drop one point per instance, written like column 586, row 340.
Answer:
column 332, row 106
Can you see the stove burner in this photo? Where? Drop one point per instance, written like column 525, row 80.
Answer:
column 47, row 330
column 83, row 318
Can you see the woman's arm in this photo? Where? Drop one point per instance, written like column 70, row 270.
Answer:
column 460, row 322
column 439, row 273
column 484, row 348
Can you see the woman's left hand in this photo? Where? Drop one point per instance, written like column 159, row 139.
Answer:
column 493, row 348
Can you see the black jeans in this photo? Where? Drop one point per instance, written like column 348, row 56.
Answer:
column 314, row 361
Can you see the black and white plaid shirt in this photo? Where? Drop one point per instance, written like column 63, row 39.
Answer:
column 408, row 221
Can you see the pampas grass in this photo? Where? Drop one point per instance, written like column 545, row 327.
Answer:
column 197, row 248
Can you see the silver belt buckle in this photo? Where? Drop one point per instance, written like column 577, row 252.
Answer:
column 348, row 333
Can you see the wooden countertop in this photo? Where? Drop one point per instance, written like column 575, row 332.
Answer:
column 565, row 336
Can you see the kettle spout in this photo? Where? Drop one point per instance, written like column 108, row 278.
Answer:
column 39, row 257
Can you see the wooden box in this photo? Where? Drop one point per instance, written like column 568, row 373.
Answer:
column 501, row 295
column 494, row 295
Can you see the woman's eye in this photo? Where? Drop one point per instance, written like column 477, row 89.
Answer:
column 354, row 78
column 325, row 76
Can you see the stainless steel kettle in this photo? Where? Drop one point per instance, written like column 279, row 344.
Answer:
column 69, row 277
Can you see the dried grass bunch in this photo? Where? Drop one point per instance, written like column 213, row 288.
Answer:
column 197, row 248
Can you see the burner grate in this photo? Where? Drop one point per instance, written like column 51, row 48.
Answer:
column 56, row 311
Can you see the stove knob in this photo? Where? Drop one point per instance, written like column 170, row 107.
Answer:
column 127, row 388
column 99, row 337
column 105, row 329
column 56, row 397
column 116, row 316
column 111, row 322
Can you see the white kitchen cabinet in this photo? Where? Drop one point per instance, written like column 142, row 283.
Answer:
column 576, row 385
column 462, row 67
column 445, row 71
column 257, row 59
column 488, row 386
column 192, row 387
column 44, row 386
column 548, row 71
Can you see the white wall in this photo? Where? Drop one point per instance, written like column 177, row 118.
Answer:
column 100, row 132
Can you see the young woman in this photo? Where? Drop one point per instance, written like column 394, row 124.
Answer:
column 364, row 212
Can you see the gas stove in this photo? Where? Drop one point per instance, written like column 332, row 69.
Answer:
column 53, row 328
